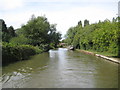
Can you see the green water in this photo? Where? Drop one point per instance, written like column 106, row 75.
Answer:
column 61, row 69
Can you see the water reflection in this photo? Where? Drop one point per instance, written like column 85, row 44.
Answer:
column 22, row 70
column 61, row 68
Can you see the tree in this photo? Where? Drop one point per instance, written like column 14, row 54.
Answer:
column 36, row 30
column 70, row 35
column 53, row 36
column 86, row 22
column 118, row 35
column 102, row 36
column 114, row 19
column 80, row 23
column 11, row 31
column 3, row 26
column 5, row 34
column 21, row 39
column 39, row 32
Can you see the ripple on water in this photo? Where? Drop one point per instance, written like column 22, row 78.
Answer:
column 66, row 69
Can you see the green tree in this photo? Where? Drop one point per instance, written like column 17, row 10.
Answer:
column 39, row 32
column 101, row 36
column 80, row 23
column 4, row 30
column 21, row 39
column 7, row 33
column 53, row 36
column 86, row 22
column 36, row 30
column 11, row 31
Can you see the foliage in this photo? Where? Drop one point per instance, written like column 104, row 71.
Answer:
column 12, row 52
column 21, row 39
column 36, row 36
column 38, row 31
column 7, row 33
column 86, row 22
column 101, row 36
column 54, row 37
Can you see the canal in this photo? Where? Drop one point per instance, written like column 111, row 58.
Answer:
column 61, row 68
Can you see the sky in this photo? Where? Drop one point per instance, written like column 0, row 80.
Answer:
column 64, row 13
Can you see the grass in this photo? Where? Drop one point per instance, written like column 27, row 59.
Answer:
column 103, row 53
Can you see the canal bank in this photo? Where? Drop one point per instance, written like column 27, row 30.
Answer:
column 115, row 60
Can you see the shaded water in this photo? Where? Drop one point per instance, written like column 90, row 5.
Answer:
column 61, row 69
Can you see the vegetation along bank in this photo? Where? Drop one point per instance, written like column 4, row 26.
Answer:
column 102, row 36
column 37, row 36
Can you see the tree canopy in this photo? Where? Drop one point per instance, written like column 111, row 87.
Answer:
column 101, row 36
column 37, row 32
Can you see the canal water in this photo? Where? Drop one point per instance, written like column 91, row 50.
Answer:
column 61, row 68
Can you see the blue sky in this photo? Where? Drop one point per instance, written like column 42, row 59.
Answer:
column 65, row 13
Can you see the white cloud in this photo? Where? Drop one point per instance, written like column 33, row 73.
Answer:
column 68, row 18
column 10, row 4
column 63, row 18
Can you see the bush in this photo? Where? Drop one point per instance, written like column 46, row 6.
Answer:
column 20, row 40
column 12, row 52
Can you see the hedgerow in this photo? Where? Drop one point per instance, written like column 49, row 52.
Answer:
column 12, row 52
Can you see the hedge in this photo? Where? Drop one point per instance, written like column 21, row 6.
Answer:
column 12, row 52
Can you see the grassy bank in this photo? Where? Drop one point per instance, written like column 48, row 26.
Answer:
column 12, row 52
column 101, row 53
column 104, row 53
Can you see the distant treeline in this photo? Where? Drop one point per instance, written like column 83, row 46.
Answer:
column 37, row 36
column 102, row 36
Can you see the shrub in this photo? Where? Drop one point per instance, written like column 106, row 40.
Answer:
column 12, row 52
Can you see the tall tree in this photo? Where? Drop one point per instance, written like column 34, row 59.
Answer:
column 3, row 25
column 86, row 22
column 36, row 30
column 5, row 35
column 11, row 31
column 39, row 31
column 80, row 23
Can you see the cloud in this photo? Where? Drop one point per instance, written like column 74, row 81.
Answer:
column 10, row 4
column 69, row 18
column 65, row 17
